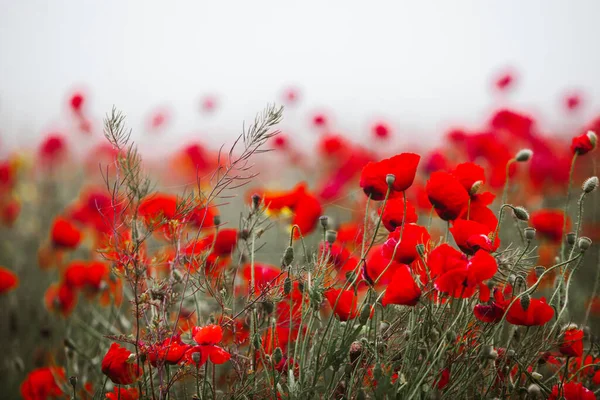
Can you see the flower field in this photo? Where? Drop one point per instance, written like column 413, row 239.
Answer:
column 268, row 269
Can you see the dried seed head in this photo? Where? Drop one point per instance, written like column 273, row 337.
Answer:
column 584, row 243
column 475, row 188
column 421, row 249
column 390, row 179
column 539, row 270
column 534, row 391
column 521, row 213
column 73, row 381
column 571, row 238
column 288, row 256
column 277, row 355
column 330, row 236
column 590, row 184
column 529, row 233
column 356, row 349
column 524, row 155
column 525, row 301
column 217, row 220
column 324, row 221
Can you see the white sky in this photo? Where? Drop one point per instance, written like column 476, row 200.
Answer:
column 419, row 64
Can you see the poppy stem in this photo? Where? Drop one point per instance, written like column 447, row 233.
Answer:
column 566, row 209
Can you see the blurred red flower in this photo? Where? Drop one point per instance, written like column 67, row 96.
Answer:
column 549, row 224
column 64, row 234
column 119, row 366
column 571, row 391
column 584, row 143
column 41, row 384
column 571, row 344
column 8, row 280
column 343, row 302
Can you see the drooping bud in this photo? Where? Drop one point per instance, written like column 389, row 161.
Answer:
column 288, row 256
column 324, row 221
column 390, row 179
column 475, row 188
column 584, row 243
column 571, row 238
column 525, row 301
column 524, row 155
column 539, row 270
column 365, row 313
column 521, row 213
column 529, row 233
column 590, row 184
column 534, row 391
column 277, row 355
column 330, row 236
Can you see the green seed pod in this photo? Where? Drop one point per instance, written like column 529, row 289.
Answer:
column 287, row 285
column 420, row 249
column 571, row 238
column 529, row 233
column 590, row 184
column 288, row 256
column 584, row 243
column 365, row 313
column 257, row 341
column 330, row 236
column 525, row 301
column 390, row 179
column 524, row 155
column 277, row 355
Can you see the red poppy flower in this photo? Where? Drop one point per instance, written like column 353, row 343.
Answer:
column 117, row 364
column 373, row 177
column 515, row 123
column 265, row 276
column 447, row 195
column 402, row 289
column 549, row 224
column 64, row 234
column 53, row 149
column 492, row 313
column 393, row 213
column 443, row 380
column 337, row 255
column 537, row 313
column 406, row 251
column 8, row 280
column 319, row 120
column 41, row 384
column 170, row 351
column 343, row 302
column 86, row 275
column 60, row 298
column 333, row 145
column 504, row 81
column 584, row 143
column 469, row 173
column 461, row 279
column 472, row 236
column 9, row 212
column 160, row 205
column 222, row 246
column 571, row 344
column 207, row 338
column 203, row 216
column 479, row 211
column 572, row 101
column 571, row 391
column 379, row 268
column 119, row 393
column 76, row 102
column 381, row 130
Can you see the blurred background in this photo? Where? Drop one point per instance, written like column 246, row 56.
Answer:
column 421, row 66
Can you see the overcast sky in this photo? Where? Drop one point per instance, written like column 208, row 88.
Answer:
column 419, row 64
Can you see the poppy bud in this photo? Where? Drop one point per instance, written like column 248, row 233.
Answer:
column 523, row 155
column 590, row 184
column 365, row 313
column 521, row 213
column 420, row 249
column 488, row 352
column 534, row 391
column 593, row 138
column 330, row 236
column 196, row 357
column 536, row 375
column 288, row 256
column 256, row 341
column 511, row 279
column 217, row 220
column 255, row 201
column 539, row 270
column 475, row 188
column 529, row 233
column 584, row 243
column 525, row 301
column 268, row 307
column 384, row 326
column 571, row 238
column 324, row 221
column 287, row 286
column 73, row 381
column 390, row 179
column 277, row 355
